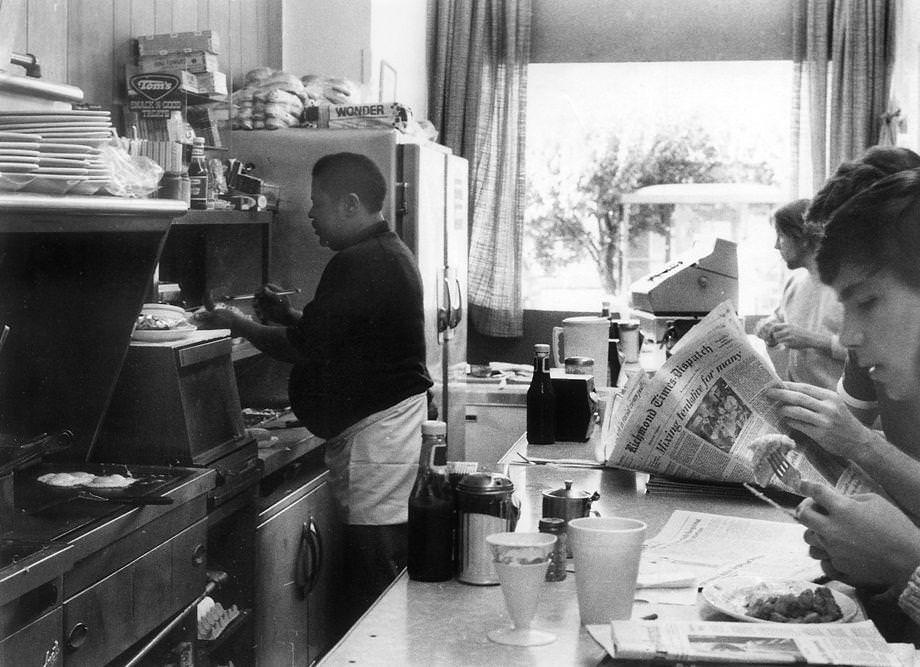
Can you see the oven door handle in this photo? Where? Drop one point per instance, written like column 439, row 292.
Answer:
column 316, row 547
column 309, row 558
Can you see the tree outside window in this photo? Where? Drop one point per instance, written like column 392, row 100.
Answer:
column 642, row 129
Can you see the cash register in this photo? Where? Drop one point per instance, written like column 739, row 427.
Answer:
column 670, row 301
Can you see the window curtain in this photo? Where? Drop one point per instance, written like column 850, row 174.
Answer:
column 843, row 52
column 479, row 55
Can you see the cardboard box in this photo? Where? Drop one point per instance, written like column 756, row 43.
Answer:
column 368, row 115
column 178, row 42
column 205, row 123
column 194, row 62
column 211, row 82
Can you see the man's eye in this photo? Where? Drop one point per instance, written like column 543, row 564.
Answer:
column 867, row 304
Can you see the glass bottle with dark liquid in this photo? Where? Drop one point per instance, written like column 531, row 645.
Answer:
column 541, row 400
column 431, row 510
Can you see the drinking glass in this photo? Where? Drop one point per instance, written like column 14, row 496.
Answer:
column 521, row 560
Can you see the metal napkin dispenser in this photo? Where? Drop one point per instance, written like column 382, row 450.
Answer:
column 694, row 284
column 576, row 406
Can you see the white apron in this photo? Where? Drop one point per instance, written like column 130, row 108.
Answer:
column 373, row 463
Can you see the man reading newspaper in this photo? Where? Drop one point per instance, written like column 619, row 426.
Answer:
column 704, row 415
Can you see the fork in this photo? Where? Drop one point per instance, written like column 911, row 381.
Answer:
column 784, row 470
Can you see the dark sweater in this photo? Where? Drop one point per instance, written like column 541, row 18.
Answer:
column 362, row 335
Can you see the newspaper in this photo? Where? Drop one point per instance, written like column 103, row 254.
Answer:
column 761, row 643
column 698, row 415
column 715, row 546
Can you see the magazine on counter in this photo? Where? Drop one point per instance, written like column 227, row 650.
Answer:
column 668, row 642
column 699, row 415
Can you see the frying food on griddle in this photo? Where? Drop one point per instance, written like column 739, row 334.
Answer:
column 66, row 478
column 815, row 605
column 114, row 481
column 87, row 479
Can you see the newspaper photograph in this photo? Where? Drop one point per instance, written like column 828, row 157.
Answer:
column 699, row 417
column 760, row 643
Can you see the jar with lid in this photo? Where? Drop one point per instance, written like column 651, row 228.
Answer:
column 555, row 526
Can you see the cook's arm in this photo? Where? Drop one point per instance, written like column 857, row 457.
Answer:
column 272, row 340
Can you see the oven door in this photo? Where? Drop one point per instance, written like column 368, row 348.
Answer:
column 297, row 556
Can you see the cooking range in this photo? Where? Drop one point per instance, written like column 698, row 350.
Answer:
column 109, row 576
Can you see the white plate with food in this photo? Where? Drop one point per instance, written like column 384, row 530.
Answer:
column 161, row 325
column 784, row 601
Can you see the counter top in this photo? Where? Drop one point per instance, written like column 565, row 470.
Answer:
column 289, row 443
column 416, row 623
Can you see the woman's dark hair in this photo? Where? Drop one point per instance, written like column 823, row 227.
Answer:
column 878, row 227
column 790, row 220
column 345, row 173
column 855, row 176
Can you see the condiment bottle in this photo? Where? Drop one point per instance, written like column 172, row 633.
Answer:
column 541, row 400
column 431, row 510
column 555, row 526
column 198, row 175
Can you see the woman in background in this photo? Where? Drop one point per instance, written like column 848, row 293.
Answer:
column 807, row 320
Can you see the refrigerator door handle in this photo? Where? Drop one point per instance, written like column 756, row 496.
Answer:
column 456, row 313
column 443, row 296
column 446, row 314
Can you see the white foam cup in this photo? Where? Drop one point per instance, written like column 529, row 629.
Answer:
column 606, row 552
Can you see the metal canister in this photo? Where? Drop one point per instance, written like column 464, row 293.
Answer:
column 579, row 366
column 555, row 526
column 485, row 505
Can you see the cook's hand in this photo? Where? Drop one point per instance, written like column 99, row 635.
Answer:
column 794, row 336
column 862, row 540
column 270, row 306
column 219, row 318
column 823, row 416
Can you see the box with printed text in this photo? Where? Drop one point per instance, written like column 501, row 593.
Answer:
column 195, row 62
column 178, row 42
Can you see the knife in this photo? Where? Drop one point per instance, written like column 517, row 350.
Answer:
column 246, row 297
column 769, row 500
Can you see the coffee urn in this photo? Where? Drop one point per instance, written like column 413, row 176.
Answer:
column 485, row 504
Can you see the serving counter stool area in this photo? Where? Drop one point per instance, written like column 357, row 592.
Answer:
column 415, row 623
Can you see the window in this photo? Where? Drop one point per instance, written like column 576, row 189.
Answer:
column 594, row 129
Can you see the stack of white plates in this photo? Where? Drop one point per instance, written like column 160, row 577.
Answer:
column 53, row 151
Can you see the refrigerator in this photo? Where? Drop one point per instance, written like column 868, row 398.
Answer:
column 426, row 206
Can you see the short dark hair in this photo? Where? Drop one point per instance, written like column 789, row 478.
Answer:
column 857, row 175
column 878, row 227
column 790, row 220
column 346, row 173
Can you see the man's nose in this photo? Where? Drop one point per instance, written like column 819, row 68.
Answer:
column 851, row 334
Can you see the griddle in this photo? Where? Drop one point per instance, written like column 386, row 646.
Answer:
column 45, row 513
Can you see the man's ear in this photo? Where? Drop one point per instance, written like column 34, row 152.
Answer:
column 352, row 202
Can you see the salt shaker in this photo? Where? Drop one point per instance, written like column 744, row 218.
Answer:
column 555, row 526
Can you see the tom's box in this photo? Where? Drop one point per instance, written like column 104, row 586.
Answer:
column 195, row 62
column 178, row 42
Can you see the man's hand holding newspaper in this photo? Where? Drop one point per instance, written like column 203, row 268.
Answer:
column 705, row 415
